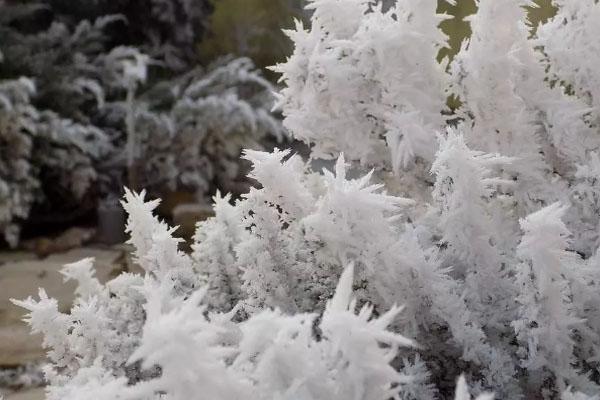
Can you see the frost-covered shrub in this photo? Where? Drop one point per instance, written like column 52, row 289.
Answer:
column 161, row 320
column 490, row 243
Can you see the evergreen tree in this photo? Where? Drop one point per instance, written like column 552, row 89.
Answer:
column 111, row 83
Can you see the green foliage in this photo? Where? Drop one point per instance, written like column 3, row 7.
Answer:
column 458, row 29
column 251, row 28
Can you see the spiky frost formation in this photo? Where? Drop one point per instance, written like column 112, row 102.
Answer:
column 496, row 265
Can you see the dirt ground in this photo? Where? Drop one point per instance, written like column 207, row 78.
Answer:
column 21, row 274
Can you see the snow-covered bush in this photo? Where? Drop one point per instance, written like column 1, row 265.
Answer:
column 146, row 337
column 118, row 92
column 487, row 234
column 160, row 319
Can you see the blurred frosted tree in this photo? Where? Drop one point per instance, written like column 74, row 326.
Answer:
column 110, row 83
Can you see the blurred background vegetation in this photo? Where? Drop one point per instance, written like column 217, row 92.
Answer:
column 251, row 28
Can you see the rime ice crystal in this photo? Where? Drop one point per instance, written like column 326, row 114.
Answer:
column 496, row 270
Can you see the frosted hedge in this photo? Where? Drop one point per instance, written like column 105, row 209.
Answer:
column 481, row 222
